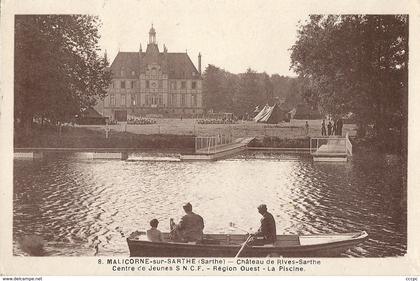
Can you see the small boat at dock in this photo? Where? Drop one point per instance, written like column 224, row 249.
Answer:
column 228, row 245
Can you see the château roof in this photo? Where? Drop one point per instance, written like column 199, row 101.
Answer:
column 175, row 65
column 128, row 62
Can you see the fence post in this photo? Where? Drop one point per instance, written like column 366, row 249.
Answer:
column 310, row 145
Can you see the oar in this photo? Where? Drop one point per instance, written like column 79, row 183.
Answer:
column 243, row 246
column 233, row 225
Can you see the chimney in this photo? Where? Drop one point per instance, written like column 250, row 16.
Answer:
column 199, row 63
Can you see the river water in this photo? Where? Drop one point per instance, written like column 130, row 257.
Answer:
column 88, row 207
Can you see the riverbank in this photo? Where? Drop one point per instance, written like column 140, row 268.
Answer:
column 73, row 137
column 277, row 142
column 139, row 138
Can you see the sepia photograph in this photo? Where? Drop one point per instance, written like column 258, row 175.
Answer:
column 223, row 134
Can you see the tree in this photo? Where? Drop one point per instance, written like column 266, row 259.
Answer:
column 355, row 63
column 266, row 94
column 219, row 87
column 212, row 88
column 58, row 71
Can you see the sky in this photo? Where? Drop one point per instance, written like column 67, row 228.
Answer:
column 233, row 35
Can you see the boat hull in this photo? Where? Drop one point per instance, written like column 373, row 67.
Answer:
column 139, row 248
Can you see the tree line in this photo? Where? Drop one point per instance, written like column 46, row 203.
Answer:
column 241, row 93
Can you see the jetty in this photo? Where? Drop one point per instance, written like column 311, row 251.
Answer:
column 331, row 149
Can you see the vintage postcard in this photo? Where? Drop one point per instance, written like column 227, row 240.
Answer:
column 209, row 138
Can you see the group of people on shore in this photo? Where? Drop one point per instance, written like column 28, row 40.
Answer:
column 333, row 128
column 190, row 228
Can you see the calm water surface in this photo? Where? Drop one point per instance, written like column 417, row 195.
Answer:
column 80, row 205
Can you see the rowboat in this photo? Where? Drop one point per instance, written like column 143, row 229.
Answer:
column 228, row 245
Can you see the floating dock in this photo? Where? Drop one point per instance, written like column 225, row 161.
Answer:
column 331, row 149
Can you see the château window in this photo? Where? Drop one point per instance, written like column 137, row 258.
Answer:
column 194, row 100
column 123, row 100
column 122, row 84
column 133, row 73
column 174, row 100
column 112, row 99
column 147, row 84
column 183, row 85
column 132, row 84
column 173, row 85
column 194, row 85
column 160, row 84
column 182, row 100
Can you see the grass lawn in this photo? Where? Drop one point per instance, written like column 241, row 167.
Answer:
column 289, row 130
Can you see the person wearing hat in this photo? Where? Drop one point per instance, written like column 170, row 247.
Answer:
column 190, row 228
column 266, row 234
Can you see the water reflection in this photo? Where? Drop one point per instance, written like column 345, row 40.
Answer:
column 83, row 207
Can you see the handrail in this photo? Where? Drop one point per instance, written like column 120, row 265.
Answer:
column 209, row 144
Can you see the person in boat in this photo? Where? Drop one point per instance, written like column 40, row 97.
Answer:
column 153, row 234
column 266, row 234
column 190, row 228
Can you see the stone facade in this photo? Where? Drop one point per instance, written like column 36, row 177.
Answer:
column 153, row 83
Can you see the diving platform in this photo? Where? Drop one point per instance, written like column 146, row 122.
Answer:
column 331, row 149
column 216, row 148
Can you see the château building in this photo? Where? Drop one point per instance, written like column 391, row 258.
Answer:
column 153, row 83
